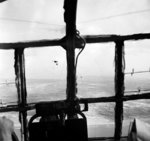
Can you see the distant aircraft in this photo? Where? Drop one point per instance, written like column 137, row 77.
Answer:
column 2, row 1
column 56, row 62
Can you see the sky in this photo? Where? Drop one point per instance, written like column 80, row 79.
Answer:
column 25, row 20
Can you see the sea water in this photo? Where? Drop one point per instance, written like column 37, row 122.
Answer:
column 98, row 113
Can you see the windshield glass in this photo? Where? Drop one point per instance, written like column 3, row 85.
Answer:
column 109, row 17
column 31, row 20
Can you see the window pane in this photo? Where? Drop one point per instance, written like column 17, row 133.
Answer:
column 139, row 109
column 109, row 17
column 137, row 58
column 95, row 71
column 100, row 119
column 8, row 90
column 46, row 74
column 31, row 20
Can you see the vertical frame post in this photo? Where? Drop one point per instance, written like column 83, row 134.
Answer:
column 70, row 7
column 21, row 89
column 119, row 87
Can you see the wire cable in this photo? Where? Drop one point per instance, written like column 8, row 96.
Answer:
column 88, row 21
column 28, row 21
column 76, row 61
column 77, row 57
column 115, row 16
